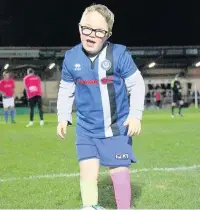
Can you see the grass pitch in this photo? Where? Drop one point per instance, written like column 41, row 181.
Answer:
column 38, row 170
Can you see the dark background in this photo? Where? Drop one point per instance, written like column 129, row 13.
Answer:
column 137, row 23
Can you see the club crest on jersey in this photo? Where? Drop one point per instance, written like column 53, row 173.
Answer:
column 106, row 65
column 77, row 67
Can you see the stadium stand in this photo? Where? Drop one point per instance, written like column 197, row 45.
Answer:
column 158, row 65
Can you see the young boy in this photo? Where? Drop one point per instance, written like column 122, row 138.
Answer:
column 100, row 76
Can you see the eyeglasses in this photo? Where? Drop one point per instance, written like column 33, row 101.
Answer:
column 98, row 32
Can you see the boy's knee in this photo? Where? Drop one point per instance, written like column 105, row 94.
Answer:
column 118, row 169
column 89, row 169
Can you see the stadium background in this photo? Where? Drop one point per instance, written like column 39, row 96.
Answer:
column 169, row 62
column 37, row 169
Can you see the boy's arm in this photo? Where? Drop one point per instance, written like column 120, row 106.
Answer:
column 65, row 101
column 65, row 95
column 136, row 88
column 135, row 85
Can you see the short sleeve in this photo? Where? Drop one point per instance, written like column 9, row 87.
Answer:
column 127, row 66
column 13, row 83
column 25, row 81
column 66, row 75
column 39, row 79
column 1, row 84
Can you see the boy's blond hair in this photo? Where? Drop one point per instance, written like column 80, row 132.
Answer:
column 104, row 11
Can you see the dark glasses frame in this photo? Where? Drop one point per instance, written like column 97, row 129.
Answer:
column 104, row 32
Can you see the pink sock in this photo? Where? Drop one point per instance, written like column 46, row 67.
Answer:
column 122, row 188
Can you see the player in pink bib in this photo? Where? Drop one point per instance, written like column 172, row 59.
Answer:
column 7, row 87
column 33, row 89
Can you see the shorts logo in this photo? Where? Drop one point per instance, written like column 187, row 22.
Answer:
column 106, row 65
column 121, row 156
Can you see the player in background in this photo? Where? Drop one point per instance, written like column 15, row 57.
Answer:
column 100, row 75
column 7, row 87
column 33, row 89
column 176, row 96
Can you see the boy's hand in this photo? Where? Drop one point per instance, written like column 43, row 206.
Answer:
column 62, row 129
column 134, row 126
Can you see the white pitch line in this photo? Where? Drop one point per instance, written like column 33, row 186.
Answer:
column 68, row 175
column 26, row 122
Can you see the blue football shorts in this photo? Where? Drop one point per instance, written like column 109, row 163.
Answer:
column 115, row 151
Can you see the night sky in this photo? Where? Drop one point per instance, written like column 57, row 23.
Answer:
column 137, row 22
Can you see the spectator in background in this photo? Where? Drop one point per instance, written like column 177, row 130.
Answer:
column 157, row 98
column 34, row 93
column 198, row 97
column 148, row 100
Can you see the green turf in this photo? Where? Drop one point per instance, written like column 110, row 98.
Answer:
column 164, row 143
